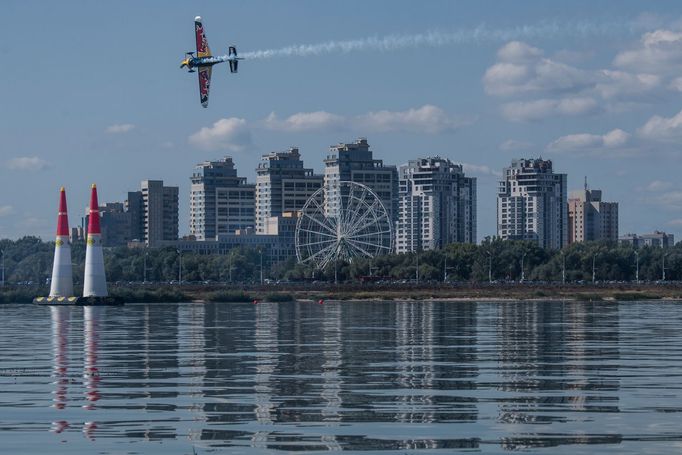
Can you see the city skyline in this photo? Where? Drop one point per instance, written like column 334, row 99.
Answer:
column 561, row 84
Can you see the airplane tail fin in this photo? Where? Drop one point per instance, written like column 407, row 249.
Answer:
column 233, row 62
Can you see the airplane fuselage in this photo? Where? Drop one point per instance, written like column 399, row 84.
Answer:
column 199, row 62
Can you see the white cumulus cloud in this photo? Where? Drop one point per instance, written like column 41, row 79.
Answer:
column 659, row 51
column 120, row 128
column 590, row 143
column 666, row 129
column 522, row 111
column 305, row 121
column 231, row 134
column 27, row 163
column 522, row 69
column 538, row 86
column 659, row 185
column 427, row 119
column 511, row 145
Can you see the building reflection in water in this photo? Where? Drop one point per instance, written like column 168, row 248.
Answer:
column 61, row 321
column 266, row 348
column 332, row 380
column 191, row 357
column 552, row 359
column 414, row 347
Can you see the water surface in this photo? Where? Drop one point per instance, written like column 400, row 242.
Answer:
column 355, row 376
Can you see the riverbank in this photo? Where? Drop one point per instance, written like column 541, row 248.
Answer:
column 368, row 291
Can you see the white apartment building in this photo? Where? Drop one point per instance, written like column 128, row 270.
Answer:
column 220, row 201
column 532, row 204
column 282, row 185
column 354, row 162
column 437, row 205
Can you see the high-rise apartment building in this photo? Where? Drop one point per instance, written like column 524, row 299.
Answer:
column 354, row 162
column 532, row 204
column 153, row 213
column 220, row 201
column 591, row 219
column 134, row 205
column 160, row 211
column 437, row 205
column 282, row 185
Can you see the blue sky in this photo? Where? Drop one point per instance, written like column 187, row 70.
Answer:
column 92, row 92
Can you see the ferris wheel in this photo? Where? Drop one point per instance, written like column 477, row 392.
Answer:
column 342, row 221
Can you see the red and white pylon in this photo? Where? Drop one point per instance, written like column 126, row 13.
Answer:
column 62, row 276
column 95, row 281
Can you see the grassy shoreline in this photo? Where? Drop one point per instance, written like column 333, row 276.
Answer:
column 368, row 292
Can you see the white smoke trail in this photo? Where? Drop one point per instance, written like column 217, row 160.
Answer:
column 443, row 38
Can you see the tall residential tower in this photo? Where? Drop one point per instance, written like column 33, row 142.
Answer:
column 437, row 205
column 354, row 162
column 220, row 201
column 591, row 219
column 282, row 185
column 532, row 205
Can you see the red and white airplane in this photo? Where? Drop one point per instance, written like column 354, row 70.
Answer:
column 203, row 61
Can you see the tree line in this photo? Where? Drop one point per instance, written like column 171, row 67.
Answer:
column 29, row 260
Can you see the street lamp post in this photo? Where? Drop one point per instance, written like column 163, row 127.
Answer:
column 144, row 271
column 417, row 272
column 563, row 268
column 180, row 267
column 261, row 266
column 490, row 266
column 2, row 268
column 445, row 269
column 230, row 267
column 594, row 268
column 523, row 271
column 662, row 264
column 636, row 266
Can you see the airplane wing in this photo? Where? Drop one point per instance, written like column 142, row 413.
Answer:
column 202, row 44
column 204, row 84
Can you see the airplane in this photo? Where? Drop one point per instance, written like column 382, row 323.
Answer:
column 204, row 61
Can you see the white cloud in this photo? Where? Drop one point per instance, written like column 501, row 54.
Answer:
column 231, row 134
column 521, row 111
column 511, row 145
column 518, row 52
column 27, row 163
column 305, row 121
column 427, row 119
column 659, row 51
column 540, row 86
column 659, row 185
column 615, row 138
column 590, row 143
column 120, row 128
column 478, row 169
column 675, row 223
column 524, row 70
column 6, row 210
column 662, row 129
column 620, row 84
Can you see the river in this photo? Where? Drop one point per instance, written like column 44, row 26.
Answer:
column 436, row 377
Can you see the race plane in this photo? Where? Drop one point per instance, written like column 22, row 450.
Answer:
column 204, row 61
